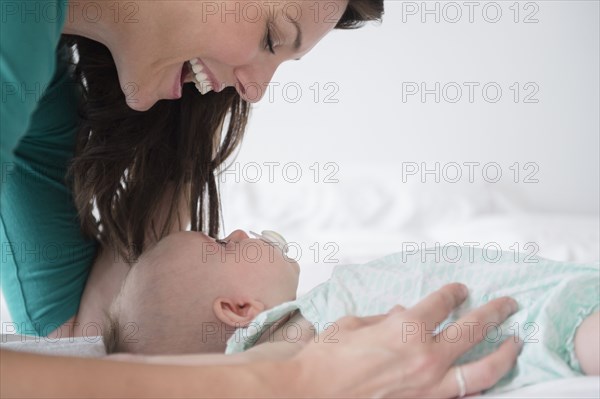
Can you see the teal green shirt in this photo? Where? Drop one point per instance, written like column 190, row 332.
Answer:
column 45, row 260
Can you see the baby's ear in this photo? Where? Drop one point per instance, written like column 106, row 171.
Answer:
column 237, row 313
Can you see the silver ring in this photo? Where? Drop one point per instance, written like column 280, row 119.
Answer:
column 460, row 380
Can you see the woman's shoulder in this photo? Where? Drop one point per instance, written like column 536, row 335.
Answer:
column 30, row 32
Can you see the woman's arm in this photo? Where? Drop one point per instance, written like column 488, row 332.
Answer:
column 276, row 351
column 57, row 376
column 372, row 357
column 46, row 259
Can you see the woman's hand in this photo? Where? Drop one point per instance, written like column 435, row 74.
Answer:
column 397, row 355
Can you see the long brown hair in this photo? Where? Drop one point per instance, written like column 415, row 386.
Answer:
column 125, row 160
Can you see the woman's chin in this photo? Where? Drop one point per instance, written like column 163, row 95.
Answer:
column 139, row 104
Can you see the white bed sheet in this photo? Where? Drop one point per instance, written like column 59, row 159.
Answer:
column 578, row 387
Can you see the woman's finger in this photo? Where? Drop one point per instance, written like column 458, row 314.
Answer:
column 474, row 326
column 355, row 322
column 481, row 374
column 397, row 309
column 358, row 322
column 436, row 306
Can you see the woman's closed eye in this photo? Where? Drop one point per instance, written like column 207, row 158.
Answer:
column 222, row 242
column 269, row 40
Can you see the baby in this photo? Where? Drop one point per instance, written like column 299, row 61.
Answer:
column 190, row 284
column 193, row 294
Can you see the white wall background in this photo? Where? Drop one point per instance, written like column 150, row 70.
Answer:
column 371, row 132
column 370, row 123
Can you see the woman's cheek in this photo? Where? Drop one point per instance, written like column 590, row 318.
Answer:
column 233, row 53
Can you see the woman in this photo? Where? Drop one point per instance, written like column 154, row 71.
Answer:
column 147, row 172
column 148, row 165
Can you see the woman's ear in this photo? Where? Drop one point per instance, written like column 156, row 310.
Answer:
column 237, row 313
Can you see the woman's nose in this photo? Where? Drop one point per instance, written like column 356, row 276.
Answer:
column 255, row 82
column 237, row 235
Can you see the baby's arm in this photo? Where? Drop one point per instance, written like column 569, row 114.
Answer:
column 587, row 344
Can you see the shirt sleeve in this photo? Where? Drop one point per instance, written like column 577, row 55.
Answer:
column 45, row 260
column 30, row 31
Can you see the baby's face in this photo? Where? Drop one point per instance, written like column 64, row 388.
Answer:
column 189, row 282
column 254, row 263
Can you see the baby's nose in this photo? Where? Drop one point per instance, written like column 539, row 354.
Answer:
column 238, row 235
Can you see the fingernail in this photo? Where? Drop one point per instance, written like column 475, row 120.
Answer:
column 511, row 306
column 464, row 290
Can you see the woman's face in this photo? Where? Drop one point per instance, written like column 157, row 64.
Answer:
column 229, row 39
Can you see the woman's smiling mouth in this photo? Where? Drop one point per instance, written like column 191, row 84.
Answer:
column 195, row 71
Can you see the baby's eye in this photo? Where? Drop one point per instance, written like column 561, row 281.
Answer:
column 221, row 242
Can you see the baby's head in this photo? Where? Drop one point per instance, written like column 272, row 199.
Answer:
column 189, row 292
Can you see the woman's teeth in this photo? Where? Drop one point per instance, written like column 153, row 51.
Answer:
column 203, row 84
